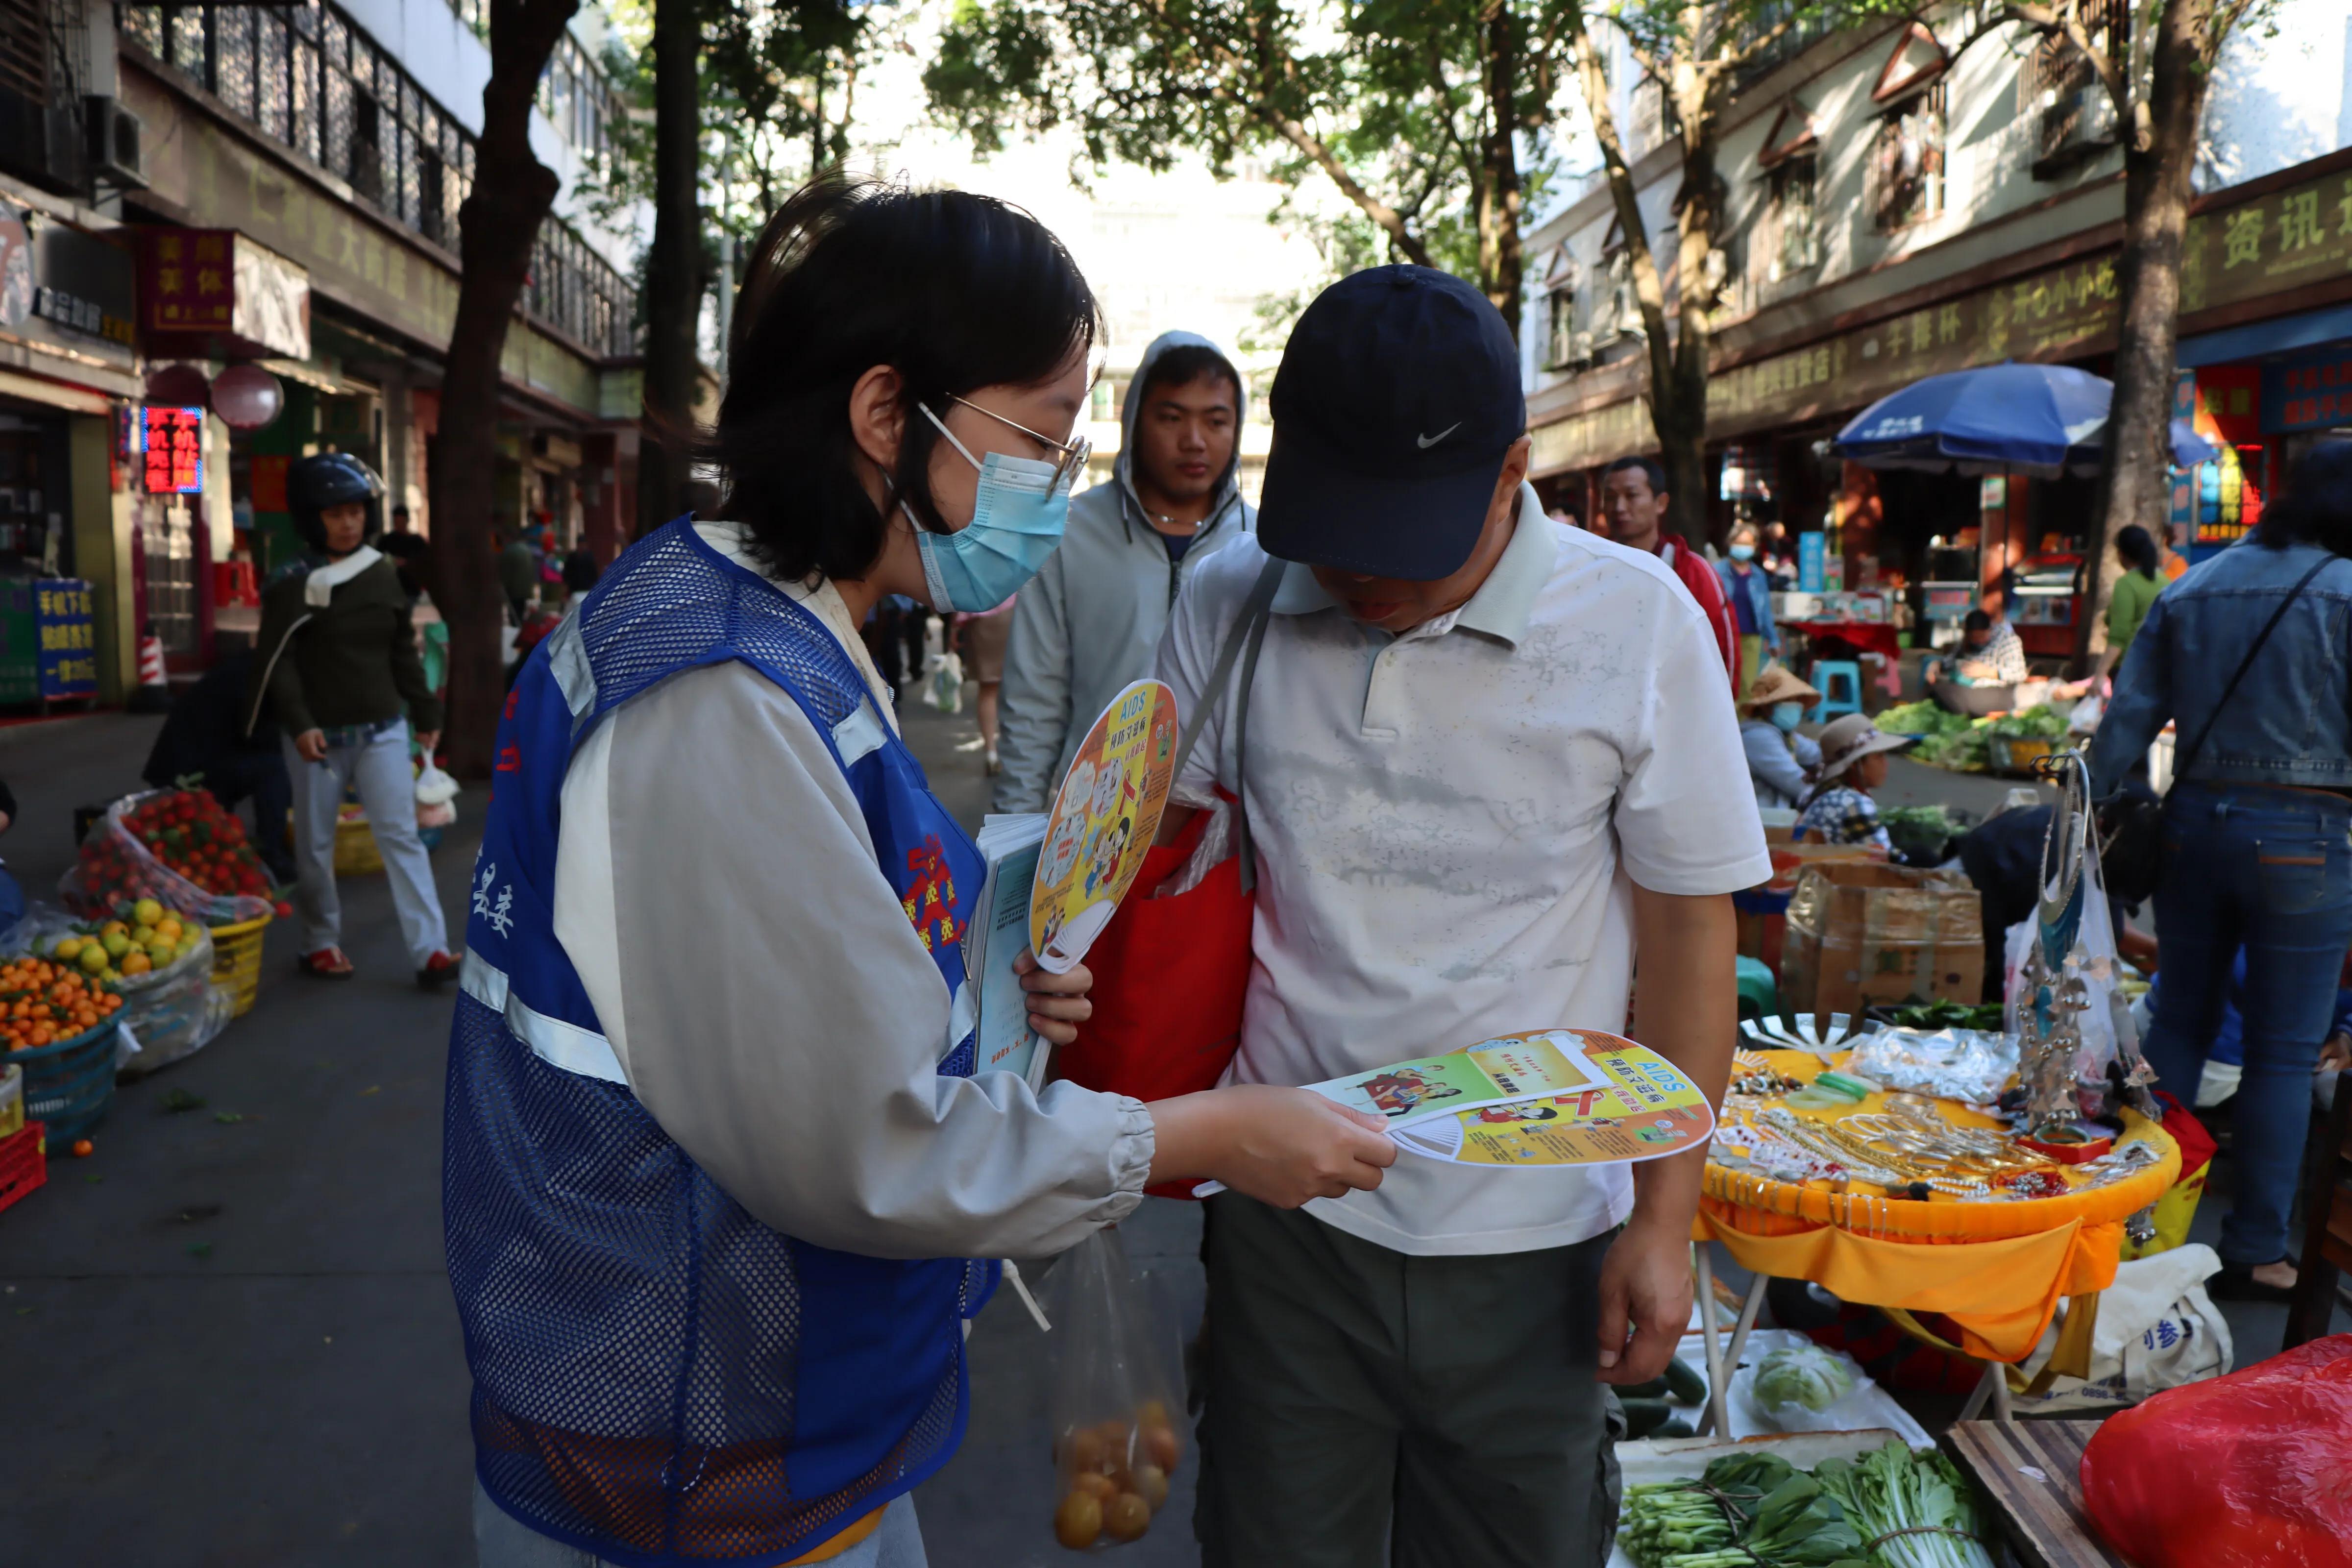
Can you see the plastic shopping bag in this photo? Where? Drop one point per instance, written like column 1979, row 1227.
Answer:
column 2251, row 1470
column 436, row 795
column 943, row 687
column 123, row 861
column 1113, row 1399
column 171, row 1012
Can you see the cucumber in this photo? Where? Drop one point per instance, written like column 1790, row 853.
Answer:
column 1653, row 1389
column 1644, row 1416
column 1685, row 1383
column 1677, row 1428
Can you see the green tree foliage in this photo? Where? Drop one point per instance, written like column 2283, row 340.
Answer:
column 1432, row 118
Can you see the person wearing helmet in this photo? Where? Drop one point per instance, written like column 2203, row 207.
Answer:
column 339, row 670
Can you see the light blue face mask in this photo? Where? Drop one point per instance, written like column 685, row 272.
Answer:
column 1017, row 516
column 1743, row 552
column 1786, row 716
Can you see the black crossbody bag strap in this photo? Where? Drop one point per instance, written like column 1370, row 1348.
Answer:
column 2182, row 759
column 1243, row 642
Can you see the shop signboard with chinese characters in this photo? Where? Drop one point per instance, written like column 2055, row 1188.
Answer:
column 168, row 445
column 2234, row 254
column 48, row 639
column 2311, row 391
column 189, row 280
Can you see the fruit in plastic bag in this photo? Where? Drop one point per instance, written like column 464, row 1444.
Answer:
column 1803, row 1376
column 178, row 848
column 2251, row 1470
column 1115, row 1444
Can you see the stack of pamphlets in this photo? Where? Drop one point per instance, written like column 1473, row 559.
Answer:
column 998, row 934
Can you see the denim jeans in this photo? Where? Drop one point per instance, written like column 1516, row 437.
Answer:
column 502, row 1541
column 378, row 769
column 2270, row 868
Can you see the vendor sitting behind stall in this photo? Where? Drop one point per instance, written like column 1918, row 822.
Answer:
column 1839, row 809
column 1984, row 677
column 1780, row 760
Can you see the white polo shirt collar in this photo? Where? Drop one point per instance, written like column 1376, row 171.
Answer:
column 1503, row 606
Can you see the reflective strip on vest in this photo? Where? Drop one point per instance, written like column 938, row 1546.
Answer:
column 552, row 1040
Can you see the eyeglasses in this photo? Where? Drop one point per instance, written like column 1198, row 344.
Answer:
column 1074, row 454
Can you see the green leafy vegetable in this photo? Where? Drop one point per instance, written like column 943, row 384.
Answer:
column 1911, row 1511
column 1924, row 718
column 2044, row 724
column 1804, row 1375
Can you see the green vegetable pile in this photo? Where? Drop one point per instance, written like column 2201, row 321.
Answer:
column 1806, row 1375
column 1747, row 1510
column 1923, row 718
column 1913, row 1510
column 1963, row 751
column 1922, row 833
column 2042, row 723
column 1892, row 1508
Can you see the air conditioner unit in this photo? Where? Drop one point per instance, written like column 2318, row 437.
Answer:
column 1579, row 347
column 2076, row 127
column 112, row 139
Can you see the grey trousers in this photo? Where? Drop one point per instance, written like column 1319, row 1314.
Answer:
column 379, row 771
column 1367, row 1407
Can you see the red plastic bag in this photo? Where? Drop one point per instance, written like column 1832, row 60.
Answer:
column 1170, row 975
column 2251, row 1470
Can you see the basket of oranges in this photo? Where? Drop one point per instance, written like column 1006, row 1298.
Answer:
column 60, row 1025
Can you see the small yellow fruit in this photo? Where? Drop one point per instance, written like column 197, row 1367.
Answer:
column 1152, row 1485
column 70, row 950
column 112, row 927
column 137, row 963
column 147, row 912
column 92, row 959
column 1078, row 1520
column 115, row 944
column 169, row 928
column 1128, row 1517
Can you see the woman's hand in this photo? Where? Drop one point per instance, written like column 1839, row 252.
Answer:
column 1058, row 1003
column 310, row 745
column 1281, row 1146
column 428, row 739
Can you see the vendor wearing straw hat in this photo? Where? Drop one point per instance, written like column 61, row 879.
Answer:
column 1854, row 762
column 1780, row 760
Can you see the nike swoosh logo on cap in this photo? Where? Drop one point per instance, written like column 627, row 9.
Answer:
column 1429, row 441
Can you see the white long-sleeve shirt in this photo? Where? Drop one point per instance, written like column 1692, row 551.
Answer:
column 770, row 1003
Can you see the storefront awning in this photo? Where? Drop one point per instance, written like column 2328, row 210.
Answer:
column 2259, row 338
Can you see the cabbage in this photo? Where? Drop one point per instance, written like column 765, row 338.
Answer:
column 1802, row 1374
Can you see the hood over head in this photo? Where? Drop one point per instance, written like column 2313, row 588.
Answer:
column 1131, row 404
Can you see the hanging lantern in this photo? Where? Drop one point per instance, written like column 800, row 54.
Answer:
column 248, row 396
column 180, row 386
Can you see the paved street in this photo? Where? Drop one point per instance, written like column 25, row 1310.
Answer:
column 231, row 1325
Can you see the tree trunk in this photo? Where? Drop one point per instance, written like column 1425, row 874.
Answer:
column 1501, row 260
column 2133, row 484
column 673, row 267
column 1698, row 215
column 511, row 195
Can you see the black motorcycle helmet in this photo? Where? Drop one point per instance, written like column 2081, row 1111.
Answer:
column 330, row 479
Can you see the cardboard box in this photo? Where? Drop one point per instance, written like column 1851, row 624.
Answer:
column 1861, row 932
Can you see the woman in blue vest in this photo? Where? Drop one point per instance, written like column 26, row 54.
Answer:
column 717, row 1164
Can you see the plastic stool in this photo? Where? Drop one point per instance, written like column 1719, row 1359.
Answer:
column 1759, row 993
column 1827, row 675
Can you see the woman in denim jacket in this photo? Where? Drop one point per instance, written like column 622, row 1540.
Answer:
column 1748, row 589
column 2255, row 830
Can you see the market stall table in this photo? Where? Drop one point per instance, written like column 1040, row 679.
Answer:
column 1870, row 637
column 1996, row 1270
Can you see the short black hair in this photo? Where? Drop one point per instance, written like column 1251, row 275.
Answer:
column 1186, row 364
column 2317, row 506
column 955, row 292
column 1651, row 470
column 2138, row 547
column 1976, row 621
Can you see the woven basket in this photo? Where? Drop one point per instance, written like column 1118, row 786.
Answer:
column 355, row 852
column 236, row 961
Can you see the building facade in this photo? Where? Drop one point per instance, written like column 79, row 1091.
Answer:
column 1896, row 212
column 201, row 187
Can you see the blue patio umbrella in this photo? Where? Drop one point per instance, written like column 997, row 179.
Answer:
column 2040, row 420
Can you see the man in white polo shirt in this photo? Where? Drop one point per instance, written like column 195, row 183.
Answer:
column 1487, row 759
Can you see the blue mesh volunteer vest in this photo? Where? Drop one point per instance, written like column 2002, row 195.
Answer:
column 659, row 1378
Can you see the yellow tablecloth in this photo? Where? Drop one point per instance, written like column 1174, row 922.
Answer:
column 1999, row 1290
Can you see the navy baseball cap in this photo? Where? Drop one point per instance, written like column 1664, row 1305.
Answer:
column 1397, row 400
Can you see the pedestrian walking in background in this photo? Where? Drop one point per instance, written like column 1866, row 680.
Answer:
column 1781, row 762
column 1748, row 592
column 1633, row 494
column 2135, row 589
column 580, row 571
column 1484, row 765
column 2247, row 656
column 341, row 673
column 1838, row 808
column 715, row 957
column 517, row 572
column 1091, row 622
column 1778, row 557
column 981, row 640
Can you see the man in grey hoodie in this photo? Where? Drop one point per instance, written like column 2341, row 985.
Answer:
column 1090, row 622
